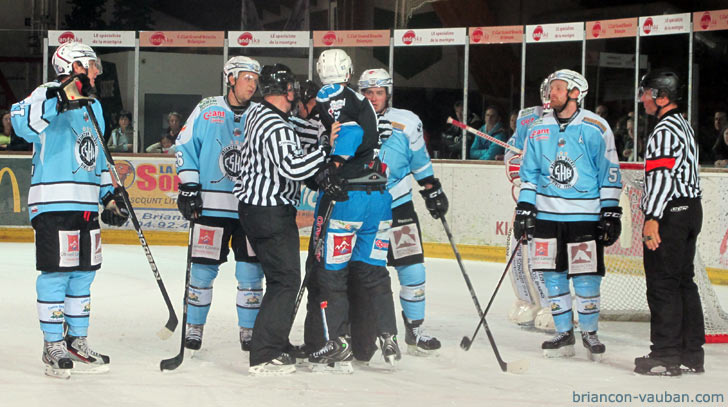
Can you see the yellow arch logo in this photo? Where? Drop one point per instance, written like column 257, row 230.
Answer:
column 14, row 184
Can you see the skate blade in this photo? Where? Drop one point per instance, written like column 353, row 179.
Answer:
column 391, row 361
column 562, row 352
column 261, row 371
column 666, row 373
column 85, row 368
column 415, row 350
column 595, row 357
column 50, row 371
column 335, row 368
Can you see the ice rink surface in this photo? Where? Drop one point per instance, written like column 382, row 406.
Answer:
column 128, row 310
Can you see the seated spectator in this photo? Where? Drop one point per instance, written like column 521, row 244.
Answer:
column 8, row 139
column 174, row 120
column 483, row 149
column 452, row 136
column 163, row 146
column 720, row 149
column 629, row 143
column 121, row 137
column 709, row 139
column 512, row 122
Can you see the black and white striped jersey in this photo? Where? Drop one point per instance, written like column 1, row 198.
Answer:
column 310, row 131
column 273, row 161
column 671, row 164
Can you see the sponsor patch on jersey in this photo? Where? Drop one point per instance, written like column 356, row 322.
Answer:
column 339, row 247
column 582, row 257
column 405, row 241
column 527, row 121
column 543, row 253
column 69, row 248
column 214, row 116
column 95, row 247
column 230, row 161
column 562, row 172
column 335, row 107
column 85, row 151
column 540, row 134
column 207, row 242
column 596, row 123
column 339, row 225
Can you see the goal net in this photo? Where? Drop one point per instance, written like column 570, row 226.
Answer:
column 623, row 291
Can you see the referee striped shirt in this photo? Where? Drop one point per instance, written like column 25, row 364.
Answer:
column 309, row 131
column 671, row 164
column 273, row 162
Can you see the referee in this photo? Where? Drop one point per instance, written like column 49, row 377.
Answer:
column 268, row 189
column 673, row 218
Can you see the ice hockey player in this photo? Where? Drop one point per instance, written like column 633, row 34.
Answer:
column 568, row 205
column 356, row 238
column 209, row 156
column 70, row 178
column 306, row 119
column 403, row 151
column 532, row 308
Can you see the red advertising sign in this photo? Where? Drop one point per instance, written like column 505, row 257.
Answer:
column 619, row 28
column 710, row 20
column 496, row 35
column 211, row 39
column 351, row 38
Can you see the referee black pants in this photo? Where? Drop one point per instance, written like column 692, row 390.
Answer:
column 676, row 322
column 273, row 234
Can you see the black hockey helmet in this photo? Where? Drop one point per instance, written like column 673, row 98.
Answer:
column 274, row 79
column 309, row 89
column 664, row 81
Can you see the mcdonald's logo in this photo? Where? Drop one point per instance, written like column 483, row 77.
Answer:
column 14, row 185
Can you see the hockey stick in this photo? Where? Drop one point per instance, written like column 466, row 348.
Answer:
column 171, row 324
column 514, row 367
column 479, row 133
column 173, row 363
column 466, row 342
column 318, row 245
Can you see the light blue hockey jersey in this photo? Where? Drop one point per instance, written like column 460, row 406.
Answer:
column 69, row 170
column 209, row 153
column 525, row 119
column 570, row 174
column 405, row 153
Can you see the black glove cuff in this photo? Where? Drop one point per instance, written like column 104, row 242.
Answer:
column 429, row 180
column 190, row 187
column 612, row 212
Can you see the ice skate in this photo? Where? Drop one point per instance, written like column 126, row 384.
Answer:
column 57, row 360
column 299, row 353
column 246, row 335
column 390, row 348
column 282, row 365
column 594, row 347
column 523, row 313
column 419, row 344
column 86, row 360
column 334, row 357
column 560, row 346
column 656, row 366
column 193, row 336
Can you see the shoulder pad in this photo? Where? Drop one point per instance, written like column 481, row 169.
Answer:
column 207, row 102
column 595, row 120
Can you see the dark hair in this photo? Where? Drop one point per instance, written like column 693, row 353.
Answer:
column 126, row 114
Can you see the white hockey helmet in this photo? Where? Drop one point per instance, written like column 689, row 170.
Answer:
column 334, row 66
column 70, row 52
column 545, row 94
column 238, row 64
column 573, row 80
column 375, row 78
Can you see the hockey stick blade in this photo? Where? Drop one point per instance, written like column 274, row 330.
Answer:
column 168, row 329
column 171, row 363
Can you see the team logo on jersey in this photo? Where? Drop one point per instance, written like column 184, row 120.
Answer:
column 335, row 106
column 230, row 161
column 563, row 172
column 85, row 151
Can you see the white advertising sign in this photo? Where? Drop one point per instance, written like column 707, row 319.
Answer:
column 554, row 32
column 426, row 36
column 93, row 38
column 665, row 25
column 268, row 39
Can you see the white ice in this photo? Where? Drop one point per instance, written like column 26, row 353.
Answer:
column 128, row 311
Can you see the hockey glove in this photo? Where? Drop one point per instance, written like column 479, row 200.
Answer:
column 525, row 222
column 115, row 211
column 610, row 225
column 73, row 93
column 331, row 183
column 189, row 200
column 435, row 199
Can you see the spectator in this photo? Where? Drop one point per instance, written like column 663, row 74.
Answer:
column 629, row 143
column 174, row 120
column 603, row 111
column 709, row 140
column 120, row 139
column 482, row 149
column 164, row 146
column 720, row 149
column 512, row 121
column 8, row 139
column 452, row 136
